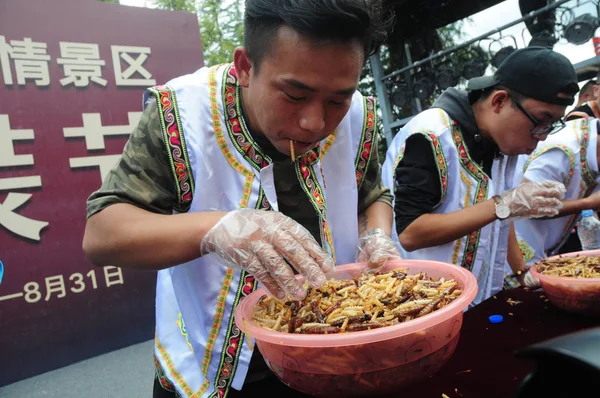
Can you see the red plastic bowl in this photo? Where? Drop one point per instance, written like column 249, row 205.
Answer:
column 576, row 295
column 372, row 361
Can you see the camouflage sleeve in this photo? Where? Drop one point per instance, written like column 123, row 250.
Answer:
column 372, row 189
column 142, row 177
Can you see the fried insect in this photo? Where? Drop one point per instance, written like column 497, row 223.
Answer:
column 292, row 151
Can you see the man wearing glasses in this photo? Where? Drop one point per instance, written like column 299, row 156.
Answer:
column 452, row 166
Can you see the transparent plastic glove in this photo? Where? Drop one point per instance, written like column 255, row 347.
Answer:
column 535, row 199
column 376, row 248
column 258, row 241
column 530, row 281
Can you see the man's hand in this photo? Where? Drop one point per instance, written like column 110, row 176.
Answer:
column 260, row 241
column 528, row 280
column 535, row 199
column 376, row 247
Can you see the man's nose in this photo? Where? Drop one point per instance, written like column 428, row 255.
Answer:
column 313, row 118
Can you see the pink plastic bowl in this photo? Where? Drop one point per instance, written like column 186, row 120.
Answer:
column 372, row 361
column 577, row 295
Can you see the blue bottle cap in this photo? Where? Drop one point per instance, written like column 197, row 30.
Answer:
column 587, row 213
column 496, row 318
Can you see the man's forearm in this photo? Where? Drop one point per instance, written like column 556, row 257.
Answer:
column 514, row 255
column 378, row 215
column 126, row 236
column 576, row 206
column 430, row 230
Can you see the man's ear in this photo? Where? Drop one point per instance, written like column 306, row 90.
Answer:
column 243, row 66
column 498, row 100
column 596, row 91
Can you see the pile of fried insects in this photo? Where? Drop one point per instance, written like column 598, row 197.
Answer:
column 368, row 302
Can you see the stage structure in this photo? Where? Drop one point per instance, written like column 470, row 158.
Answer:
column 407, row 91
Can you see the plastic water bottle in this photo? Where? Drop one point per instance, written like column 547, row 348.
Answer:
column 589, row 231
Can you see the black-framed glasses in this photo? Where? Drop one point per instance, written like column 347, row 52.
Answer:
column 538, row 129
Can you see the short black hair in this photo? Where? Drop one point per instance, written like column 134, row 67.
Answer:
column 321, row 20
column 481, row 95
column 587, row 87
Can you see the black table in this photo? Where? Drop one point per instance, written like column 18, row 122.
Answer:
column 484, row 364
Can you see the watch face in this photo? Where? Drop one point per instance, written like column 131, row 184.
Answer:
column 502, row 211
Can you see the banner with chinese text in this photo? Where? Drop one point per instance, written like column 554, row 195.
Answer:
column 72, row 74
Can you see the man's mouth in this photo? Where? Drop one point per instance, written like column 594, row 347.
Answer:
column 304, row 143
column 298, row 148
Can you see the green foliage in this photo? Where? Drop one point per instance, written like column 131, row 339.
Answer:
column 221, row 25
column 177, row 5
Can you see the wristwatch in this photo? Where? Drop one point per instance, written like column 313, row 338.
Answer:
column 502, row 210
column 520, row 272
